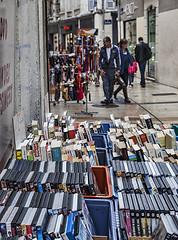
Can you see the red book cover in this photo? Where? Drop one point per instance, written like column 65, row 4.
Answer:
column 134, row 139
column 143, row 138
column 29, row 232
column 36, row 150
column 71, row 134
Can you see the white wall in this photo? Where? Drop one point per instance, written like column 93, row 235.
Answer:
column 30, row 77
column 98, row 20
column 167, row 48
column 108, row 28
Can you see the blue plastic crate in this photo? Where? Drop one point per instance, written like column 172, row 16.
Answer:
column 103, row 157
column 100, row 140
column 106, row 127
column 103, row 215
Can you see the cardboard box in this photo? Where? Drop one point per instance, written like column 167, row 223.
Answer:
column 100, row 237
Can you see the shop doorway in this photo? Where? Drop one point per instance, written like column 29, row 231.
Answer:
column 152, row 40
column 130, row 34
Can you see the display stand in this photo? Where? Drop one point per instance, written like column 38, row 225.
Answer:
column 86, row 111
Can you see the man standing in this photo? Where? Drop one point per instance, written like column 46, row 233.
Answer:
column 142, row 55
column 109, row 65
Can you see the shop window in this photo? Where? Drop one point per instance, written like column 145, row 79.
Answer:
column 152, row 40
column 130, row 34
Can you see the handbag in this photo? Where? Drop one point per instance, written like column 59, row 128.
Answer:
column 135, row 66
column 131, row 69
column 120, row 81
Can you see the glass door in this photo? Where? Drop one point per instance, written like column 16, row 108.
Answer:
column 152, row 40
column 130, row 35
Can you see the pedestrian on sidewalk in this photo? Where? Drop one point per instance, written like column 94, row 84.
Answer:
column 126, row 59
column 109, row 65
column 142, row 54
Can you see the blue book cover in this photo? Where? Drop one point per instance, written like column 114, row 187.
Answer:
column 56, row 152
column 70, row 226
column 83, row 232
column 39, row 233
column 40, row 188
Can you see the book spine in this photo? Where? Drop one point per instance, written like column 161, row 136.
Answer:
column 148, row 224
column 143, row 226
column 39, row 233
column 153, row 224
column 9, row 230
column 29, row 232
column 24, row 230
column 133, row 223
column 24, row 152
column 40, row 188
column 36, row 152
column 138, row 222
column 3, row 229
column 128, row 223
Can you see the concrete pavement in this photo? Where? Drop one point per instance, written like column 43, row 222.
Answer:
column 158, row 100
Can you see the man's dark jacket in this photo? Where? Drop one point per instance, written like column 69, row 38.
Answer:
column 140, row 52
column 104, row 63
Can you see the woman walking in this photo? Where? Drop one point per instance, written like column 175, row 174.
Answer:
column 126, row 59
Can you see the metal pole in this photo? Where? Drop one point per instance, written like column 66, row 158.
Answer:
column 103, row 17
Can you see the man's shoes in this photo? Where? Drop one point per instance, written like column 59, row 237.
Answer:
column 127, row 100
column 143, row 86
column 104, row 102
column 107, row 101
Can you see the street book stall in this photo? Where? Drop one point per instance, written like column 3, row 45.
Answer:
column 70, row 74
column 69, row 180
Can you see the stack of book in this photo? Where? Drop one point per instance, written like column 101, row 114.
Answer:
column 49, row 177
column 44, row 215
column 137, row 141
column 141, row 212
column 41, row 192
column 58, row 141
column 147, row 177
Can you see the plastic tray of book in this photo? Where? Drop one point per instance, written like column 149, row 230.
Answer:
column 102, row 213
column 103, row 180
column 103, row 157
column 100, row 140
column 108, row 142
column 106, row 127
column 112, row 182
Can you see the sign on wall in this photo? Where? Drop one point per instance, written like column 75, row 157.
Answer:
column 107, row 21
column 7, row 52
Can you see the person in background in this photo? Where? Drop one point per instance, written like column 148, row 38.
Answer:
column 109, row 65
column 126, row 59
column 142, row 54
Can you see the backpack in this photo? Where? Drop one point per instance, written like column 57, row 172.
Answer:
column 148, row 53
